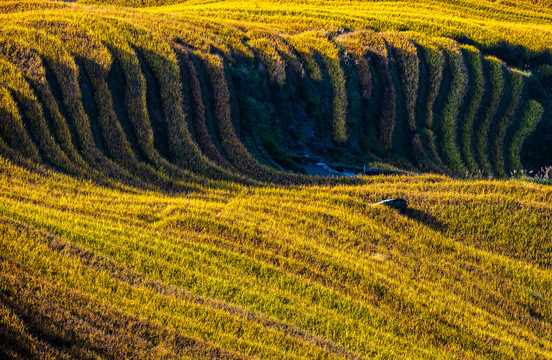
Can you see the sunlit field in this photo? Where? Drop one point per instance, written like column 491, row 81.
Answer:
column 187, row 179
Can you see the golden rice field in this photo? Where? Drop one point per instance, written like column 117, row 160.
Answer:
column 158, row 198
column 275, row 272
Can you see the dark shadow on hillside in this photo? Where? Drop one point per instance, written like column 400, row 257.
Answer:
column 425, row 218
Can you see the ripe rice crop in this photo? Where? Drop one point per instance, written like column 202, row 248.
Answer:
column 270, row 56
column 215, row 269
column 449, row 121
column 379, row 52
column 496, row 85
column 331, row 60
column 148, row 45
column 408, row 63
column 13, row 129
column 532, row 114
column 13, row 79
column 474, row 60
column 184, row 179
column 517, row 84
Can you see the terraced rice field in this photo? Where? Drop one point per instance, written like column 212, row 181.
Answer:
column 271, row 272
column 151, row 96
column 154, row 201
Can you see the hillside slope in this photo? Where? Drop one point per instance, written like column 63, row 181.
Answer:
column 155, row 197
column 235, row 91
column 275, row 273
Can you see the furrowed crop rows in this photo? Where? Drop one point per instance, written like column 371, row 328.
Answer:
column 154, row 201
column 121, row 98
column 193, row 275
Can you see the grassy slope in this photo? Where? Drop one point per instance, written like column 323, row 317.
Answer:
column 233, row 271
column 121, row 72
column 463, row 273
column 520, row 23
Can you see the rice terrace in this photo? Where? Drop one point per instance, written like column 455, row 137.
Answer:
column 276, row 179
